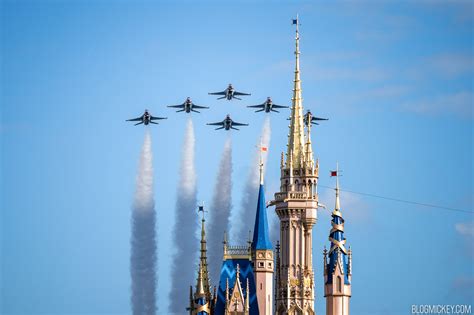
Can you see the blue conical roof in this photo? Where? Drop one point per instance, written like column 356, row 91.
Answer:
column 261, row 237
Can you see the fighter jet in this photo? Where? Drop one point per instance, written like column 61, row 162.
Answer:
column 146, row 119
column 188, row 106
column 229, row 93
column 308, row 117
column 227, row 123
column 267, row 106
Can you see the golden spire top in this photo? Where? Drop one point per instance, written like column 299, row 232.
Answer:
column 199, row 286
column 309, row 148
column 296, row 135
column 203, row 271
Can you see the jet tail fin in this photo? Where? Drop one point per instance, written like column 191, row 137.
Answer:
column 141, row 122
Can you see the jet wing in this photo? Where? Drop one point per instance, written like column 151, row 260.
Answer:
column 176, row 106
column 257, row 106
column 279, row 106
column 157, row 118
column 135, row 119
column 318, row 118
column 238, row 124
column 197, row 106
column 215, row 124
column 240, row 93
column 218, row 93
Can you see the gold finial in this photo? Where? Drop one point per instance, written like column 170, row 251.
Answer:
column 225, row 244
column 199, row 286
column 296, row 135
column 249, row 242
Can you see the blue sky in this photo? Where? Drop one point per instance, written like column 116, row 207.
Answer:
column 394, row 78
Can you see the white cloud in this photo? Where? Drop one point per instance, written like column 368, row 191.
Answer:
column 459, row 104
column 452, row 65
column 465, row 228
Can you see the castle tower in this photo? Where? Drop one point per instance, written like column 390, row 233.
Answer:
column 296, row 206
column 338, row 270
column 262, row 254
column 202, row 302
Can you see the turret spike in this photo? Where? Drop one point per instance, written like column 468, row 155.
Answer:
column 338, row 205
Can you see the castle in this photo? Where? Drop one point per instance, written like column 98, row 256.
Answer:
column 256, row 278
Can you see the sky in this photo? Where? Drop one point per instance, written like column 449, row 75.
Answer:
column 395, row 79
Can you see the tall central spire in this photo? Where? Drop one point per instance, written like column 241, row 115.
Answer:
column 295, row 153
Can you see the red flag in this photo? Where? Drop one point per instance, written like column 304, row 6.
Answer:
column 264, row 149
column 333, row 173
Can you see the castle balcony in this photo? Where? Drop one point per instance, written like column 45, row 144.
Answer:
column 294, row 195
column 238, row 252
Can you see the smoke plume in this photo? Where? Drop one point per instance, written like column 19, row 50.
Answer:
column 143, row 242
column 186, row 242
column 220, row 211
column 245, row 218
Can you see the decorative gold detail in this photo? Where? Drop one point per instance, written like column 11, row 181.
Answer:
column 294, row 282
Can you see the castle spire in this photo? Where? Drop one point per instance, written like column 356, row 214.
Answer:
column 296, row 149
column 261, row 236
column 296, row 206
column 337, row 271
column 203, row 256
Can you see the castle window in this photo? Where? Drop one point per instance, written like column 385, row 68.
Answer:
column 339, row 284
column 261, row 264
column 261, row 286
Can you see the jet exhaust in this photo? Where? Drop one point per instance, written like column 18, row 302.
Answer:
column 220, row 211
column 244, row 219
column 184, row 231
column 143, row 239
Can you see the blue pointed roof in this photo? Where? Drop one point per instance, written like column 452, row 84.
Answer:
column 337, row 235
column 228, row 272
column 261, row 237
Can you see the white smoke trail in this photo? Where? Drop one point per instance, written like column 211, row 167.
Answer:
column 220, row 211
column 245, row 218
column 186, row 242
column 143, row 241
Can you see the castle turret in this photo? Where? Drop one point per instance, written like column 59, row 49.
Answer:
column 262, row 254
column 337, row 263
column 296, row 206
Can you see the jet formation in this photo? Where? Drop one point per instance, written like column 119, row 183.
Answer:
column 228, row 123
